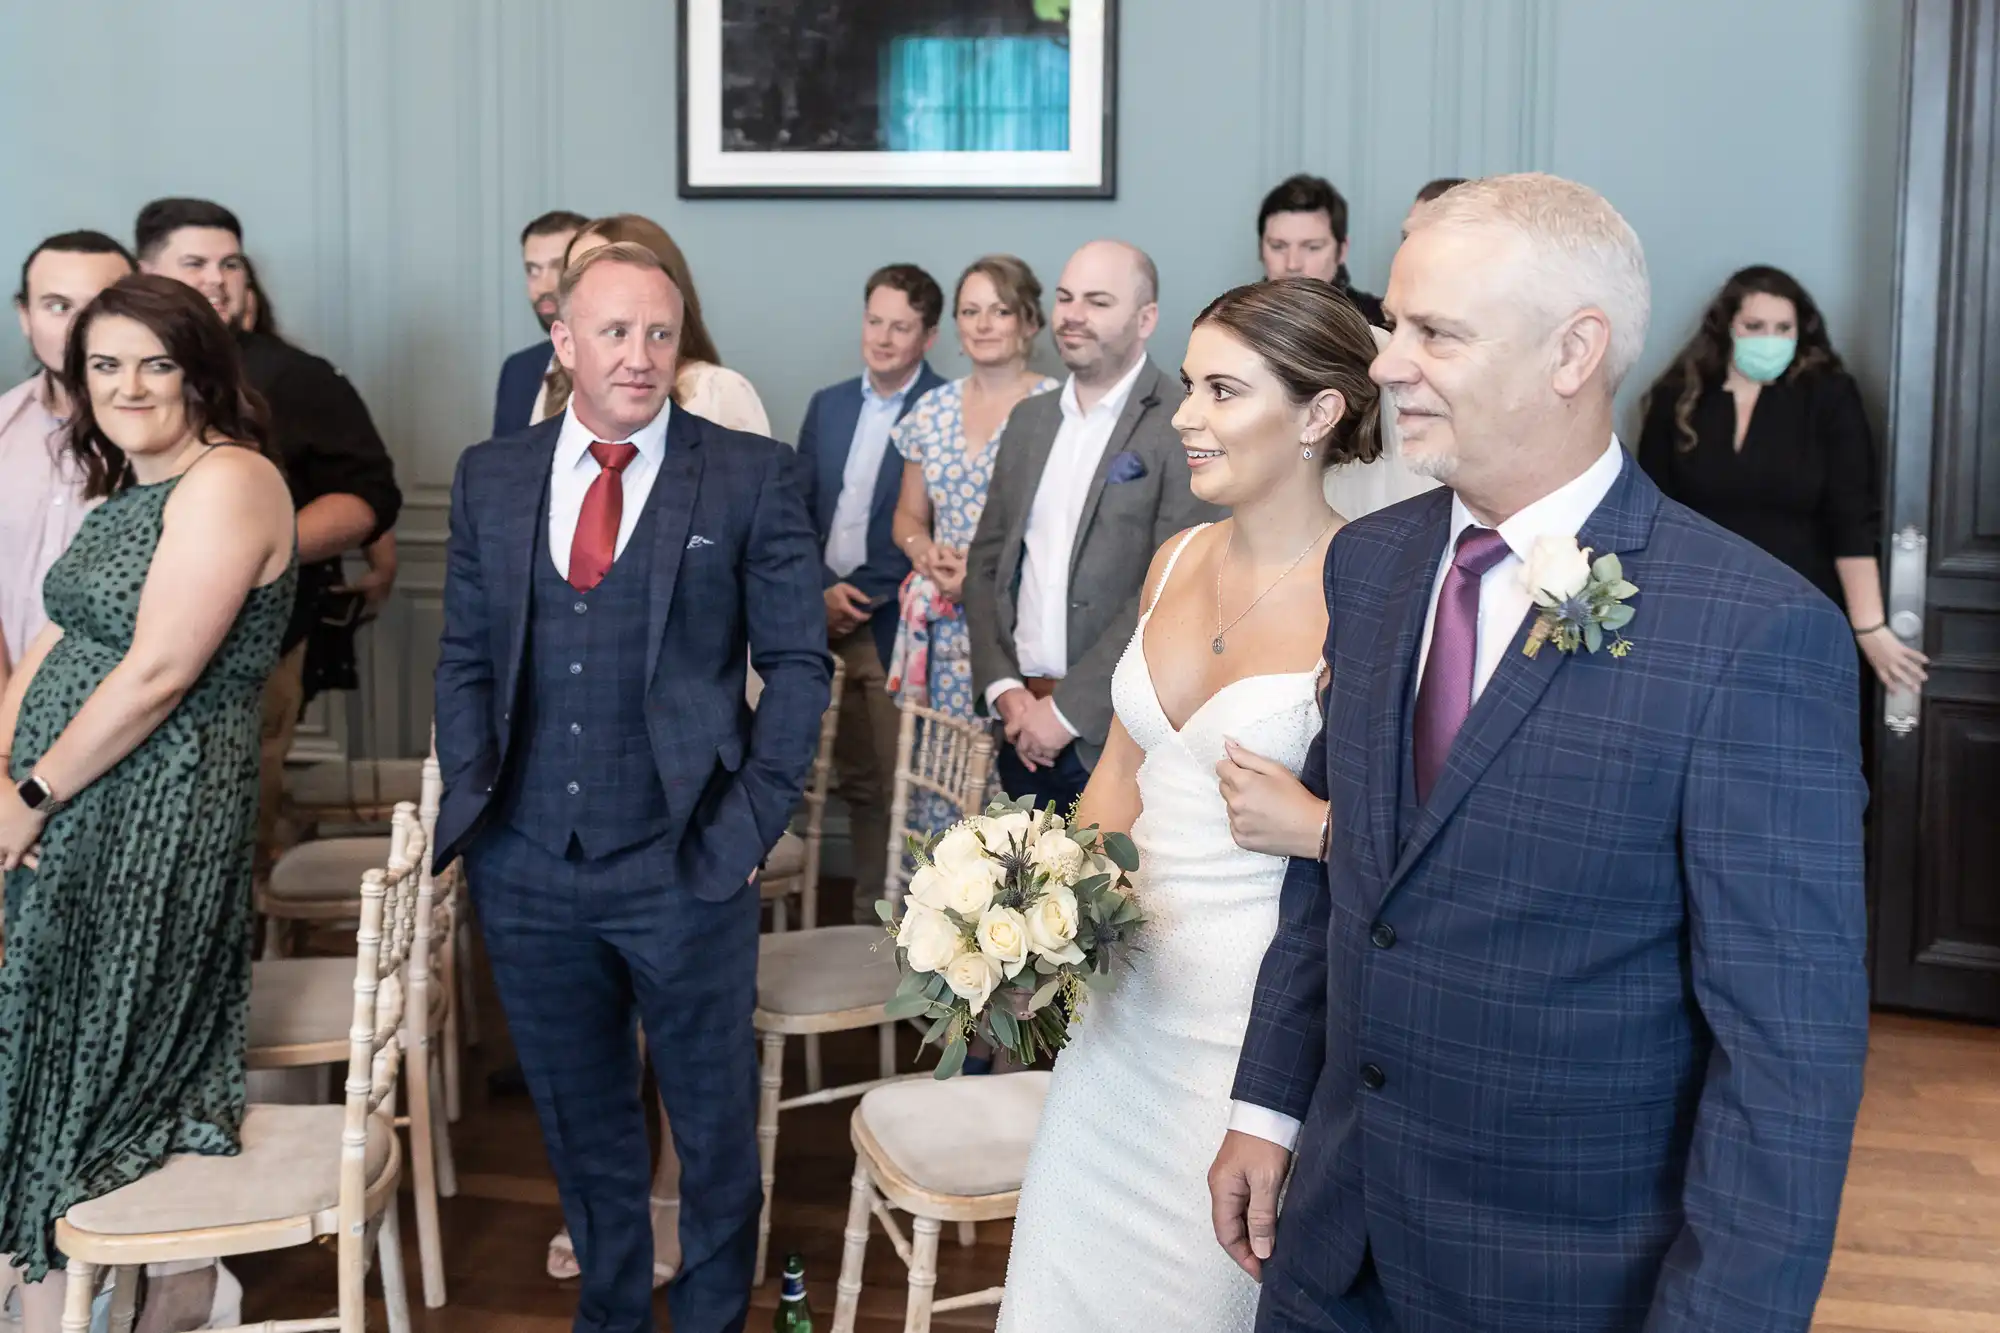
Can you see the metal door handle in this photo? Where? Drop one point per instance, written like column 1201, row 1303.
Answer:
column 1908, row 568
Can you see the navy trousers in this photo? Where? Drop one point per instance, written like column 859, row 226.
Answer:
column 1283, row 1307
column 1061, row 782
column 582, row 951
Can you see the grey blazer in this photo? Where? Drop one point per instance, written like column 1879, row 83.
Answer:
column 1124, row 522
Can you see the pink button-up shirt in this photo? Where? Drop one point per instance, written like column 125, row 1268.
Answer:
column 41, row 507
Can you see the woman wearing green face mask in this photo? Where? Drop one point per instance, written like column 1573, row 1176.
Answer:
column 1758, row 426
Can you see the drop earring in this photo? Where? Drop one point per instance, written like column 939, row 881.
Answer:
column 1308, row 453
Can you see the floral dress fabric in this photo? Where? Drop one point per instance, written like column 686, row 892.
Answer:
column 932, row 663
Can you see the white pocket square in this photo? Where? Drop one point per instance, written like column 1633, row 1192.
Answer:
column 696, row 542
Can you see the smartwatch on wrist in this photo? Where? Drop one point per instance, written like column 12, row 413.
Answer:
column 39, row 797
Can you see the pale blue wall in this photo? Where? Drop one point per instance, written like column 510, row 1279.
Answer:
column 384, row 153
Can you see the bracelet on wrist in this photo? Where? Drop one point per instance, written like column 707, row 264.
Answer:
column 1864, row 633
column 1326, row 833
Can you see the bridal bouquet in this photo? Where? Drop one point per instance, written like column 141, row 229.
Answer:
column 1010, row 917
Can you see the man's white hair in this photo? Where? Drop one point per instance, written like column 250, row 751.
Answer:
column 1582, row 252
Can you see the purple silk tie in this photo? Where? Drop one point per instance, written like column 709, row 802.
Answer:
column 1444, row 696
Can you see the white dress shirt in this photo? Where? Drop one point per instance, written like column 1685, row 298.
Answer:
column 1503, row 603
column 1041, row 622
column 847, row 543
column 575, row 470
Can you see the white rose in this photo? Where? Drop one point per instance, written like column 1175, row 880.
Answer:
column 1056, row 854
column 1052, row 927
column 1014, row 827
column 1556, row 567
column 972, row 977
column 959, row 847
column 1003, row 937
column 968, row 889
column 927, row 887
column 930, row 939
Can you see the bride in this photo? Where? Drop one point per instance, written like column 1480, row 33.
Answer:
column 1216, row 699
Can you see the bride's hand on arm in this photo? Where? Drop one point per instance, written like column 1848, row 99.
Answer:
column 1270, row 811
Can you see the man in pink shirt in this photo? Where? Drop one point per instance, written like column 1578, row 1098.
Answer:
column 41, row 506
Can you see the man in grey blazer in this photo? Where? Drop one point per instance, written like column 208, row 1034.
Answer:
column 1088, row 484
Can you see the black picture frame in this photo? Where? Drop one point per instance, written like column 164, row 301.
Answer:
column 701, row 158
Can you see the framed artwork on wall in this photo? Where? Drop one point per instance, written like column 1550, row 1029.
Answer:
column 872, row 98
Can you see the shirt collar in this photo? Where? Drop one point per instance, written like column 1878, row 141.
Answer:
column 574, row 440
column 869, row 395
column 1560, row 513
column 1112, row 403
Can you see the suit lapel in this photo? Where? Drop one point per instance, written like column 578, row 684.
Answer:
column 1402, row 631
column 1619, row 525
column 673, row 513
column 1145, row 394
column 523, row 514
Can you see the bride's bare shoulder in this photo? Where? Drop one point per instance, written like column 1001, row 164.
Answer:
column 1183, row 545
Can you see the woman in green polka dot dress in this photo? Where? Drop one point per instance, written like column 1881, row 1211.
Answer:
column 131, row 727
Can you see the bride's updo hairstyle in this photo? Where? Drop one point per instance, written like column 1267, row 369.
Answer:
column 1313, row 339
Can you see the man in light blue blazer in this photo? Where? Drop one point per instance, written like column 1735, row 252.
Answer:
column 852, row 474
column 544, row 245
column 1565, row 1020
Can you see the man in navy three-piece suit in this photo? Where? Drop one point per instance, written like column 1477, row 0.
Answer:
column 852, row 475
column 1568, row 1027
column 610, row 574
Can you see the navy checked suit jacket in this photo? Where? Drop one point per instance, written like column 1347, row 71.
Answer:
column 734, row 567
column 825, row 437
column 1607, row 985
column 519, row 387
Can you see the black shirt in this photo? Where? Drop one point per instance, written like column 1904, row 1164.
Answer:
column 327, row 444
column 1369, row 305
column 1803, row 486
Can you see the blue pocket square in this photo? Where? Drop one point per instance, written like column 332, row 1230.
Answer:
column 1125, row 466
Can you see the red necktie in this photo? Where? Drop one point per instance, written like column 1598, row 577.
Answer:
column 1444, row 697
column 595, row 545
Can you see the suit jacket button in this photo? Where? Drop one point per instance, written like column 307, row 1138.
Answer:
column 1372, row 1077
column 1383, row 936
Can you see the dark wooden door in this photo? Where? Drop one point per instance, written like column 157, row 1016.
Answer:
column 1936, row 770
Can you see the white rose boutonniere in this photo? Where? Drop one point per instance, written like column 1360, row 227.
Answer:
column 1580, row 601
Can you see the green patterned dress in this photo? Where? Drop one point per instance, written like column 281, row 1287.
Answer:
column 125, row 989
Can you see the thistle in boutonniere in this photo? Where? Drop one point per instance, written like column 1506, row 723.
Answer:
column 1582, row 602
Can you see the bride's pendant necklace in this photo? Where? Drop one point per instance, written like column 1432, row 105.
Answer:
column 1219, row 643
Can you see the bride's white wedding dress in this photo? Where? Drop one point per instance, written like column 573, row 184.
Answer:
column 1114, row 1228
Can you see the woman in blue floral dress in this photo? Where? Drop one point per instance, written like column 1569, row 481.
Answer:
column 949, row 442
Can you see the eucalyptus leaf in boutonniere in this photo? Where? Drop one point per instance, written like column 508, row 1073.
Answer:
column 1581, row 602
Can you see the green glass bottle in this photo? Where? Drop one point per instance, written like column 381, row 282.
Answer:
column 794, row 1314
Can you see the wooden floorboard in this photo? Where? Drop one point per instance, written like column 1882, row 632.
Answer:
column 1918, row 1248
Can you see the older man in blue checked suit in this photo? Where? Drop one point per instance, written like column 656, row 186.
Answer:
column 610, row 573
column 852, row 476
column 1567, row 1028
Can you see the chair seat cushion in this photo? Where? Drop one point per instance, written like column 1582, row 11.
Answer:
column 786, row 861
column 310, row 1002
column 289, row 1167
column 825, row 971
column 327, row 871
column 966, row 1136
column 364, row 782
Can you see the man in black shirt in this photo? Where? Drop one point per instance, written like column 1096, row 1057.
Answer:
column 1302, row 233
column 341, row 479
